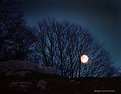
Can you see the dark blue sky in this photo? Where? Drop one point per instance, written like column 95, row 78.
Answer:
column 101, row 17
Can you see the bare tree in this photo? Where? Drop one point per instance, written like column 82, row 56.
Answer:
column 61, row 45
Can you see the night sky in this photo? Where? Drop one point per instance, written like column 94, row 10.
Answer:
column 101, row 17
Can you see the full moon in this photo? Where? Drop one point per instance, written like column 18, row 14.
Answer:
column 84, row 58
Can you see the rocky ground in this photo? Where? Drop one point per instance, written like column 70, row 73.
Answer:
column 31, row 79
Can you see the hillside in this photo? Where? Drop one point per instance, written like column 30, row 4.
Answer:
column 29, row 81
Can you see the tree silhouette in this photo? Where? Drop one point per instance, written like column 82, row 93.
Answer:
column 16, row 42
column 10, row 10
column 61, row 44
column 15, row 35
column 56, row 44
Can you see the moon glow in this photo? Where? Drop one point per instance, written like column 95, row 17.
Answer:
column 84, row 58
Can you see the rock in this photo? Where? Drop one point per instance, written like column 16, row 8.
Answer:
column 23, row 77
column 23, row 67
column 22, row 73
column 42, row 84
column 9, row 73
column 20, row 84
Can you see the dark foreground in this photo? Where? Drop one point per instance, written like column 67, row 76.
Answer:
column 53, row 84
